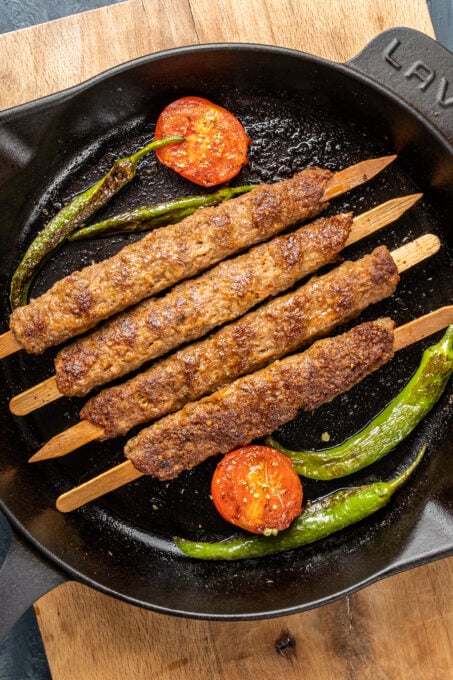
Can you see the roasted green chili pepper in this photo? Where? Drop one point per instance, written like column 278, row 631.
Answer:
column 148, row 217
column 72, row 216
column 317, row 520
column 390, row 427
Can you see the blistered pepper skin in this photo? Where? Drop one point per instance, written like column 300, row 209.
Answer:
column 148, row 217
column 318, row 519
column 71, row 217
column 389, row 428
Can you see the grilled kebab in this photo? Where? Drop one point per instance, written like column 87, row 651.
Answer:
column 81, row 300
column 193, row 308
column 277, row 328
column 259, row 403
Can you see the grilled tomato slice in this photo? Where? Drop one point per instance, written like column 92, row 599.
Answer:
column 256, row 488
column 215, row 146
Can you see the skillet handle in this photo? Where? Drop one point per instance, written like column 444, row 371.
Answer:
column 417, row 69
column 24, row 577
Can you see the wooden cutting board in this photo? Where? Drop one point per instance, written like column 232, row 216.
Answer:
column 396, row 629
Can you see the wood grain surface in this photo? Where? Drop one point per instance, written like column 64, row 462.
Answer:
column 395, row 629
column 61, row 53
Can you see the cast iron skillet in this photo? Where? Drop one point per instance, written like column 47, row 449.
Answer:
column 298, row 110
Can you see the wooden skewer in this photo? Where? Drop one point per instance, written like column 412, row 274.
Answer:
column 35, row 397
column 340, row 183
column 363, row 225
column 355, row 175
column 8, row 344
column 84, row 432
column 64, row 442
column 416, row 251
column 124, row 473
column 107, row 481
column 381, row 216
column 421, row 328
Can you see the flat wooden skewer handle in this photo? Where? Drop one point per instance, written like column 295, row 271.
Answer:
column 107, row 481
column 363, row 225
column 35, row 397
column 126, row 472
column 340, row 183
column 421, row 328
column 8, row 344
column 416, row 251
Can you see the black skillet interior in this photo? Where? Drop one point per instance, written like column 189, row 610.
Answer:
column 298, row 111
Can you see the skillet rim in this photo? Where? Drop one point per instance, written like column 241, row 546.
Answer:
column 66, row 95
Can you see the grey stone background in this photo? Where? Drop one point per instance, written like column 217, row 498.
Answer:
column 15, row 14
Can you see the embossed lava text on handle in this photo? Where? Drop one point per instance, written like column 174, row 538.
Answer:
column 421, row 72
column 416, row 68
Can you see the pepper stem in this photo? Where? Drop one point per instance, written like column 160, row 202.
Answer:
column 395, row 484
column 445, row 345
column 152, row 146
